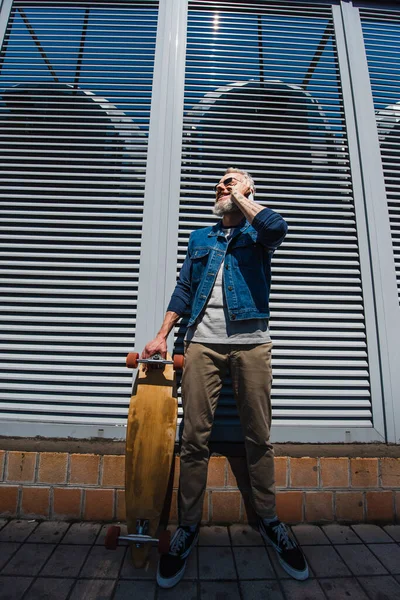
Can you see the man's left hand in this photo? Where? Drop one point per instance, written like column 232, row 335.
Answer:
column 242, row 187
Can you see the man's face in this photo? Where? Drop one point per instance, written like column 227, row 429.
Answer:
column 223, row 203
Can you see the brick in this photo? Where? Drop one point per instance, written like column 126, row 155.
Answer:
column 205, row 518
column 8, row 500
column 216, row 472
column 225, row 507
column 114, row 470
column 379, row 506
column 281, row 471
column 121, row 506
column 238, row 475
column 177, row 471
column 390, row 472
column 334, row 472
column 53, row 467
column 84, row 469
column 303, row 472
column 319, row 507
column 35, row 502
column 349, row 506
column 99, row 505
column 21, row 466
column 289, row 506
column 2, row 459
column 364, row 472
column 67, row 503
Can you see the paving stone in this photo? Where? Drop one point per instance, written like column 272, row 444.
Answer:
column 81, row 533
column 3, row 522
column 214, row 536
column 186, row 589
column 280, row 571
column 343, row 588
column 48, row 532
column 393, row 531
column 128, row 571
column 46, row 588
column 380, row 588
column 341, row 534
column 13, row 588
column 389, row 555
column 371, row 534
column 66, row 561
column 103, row 531
column 29, row 559
column 101, row 562
column 325, row 561
column 219, row 590
column 360, row 560
column 192, row 571
column 253, row 563
column 92, row 589
column 17, row 531
column 309, row 535
column 143, row 590
column 7, row 549
column 303, row 590
column 216, row 563
column 261, row 590
column 245, row 535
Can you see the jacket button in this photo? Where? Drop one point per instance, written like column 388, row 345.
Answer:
column 233, row 317
column 227, row 267
column 230, row 288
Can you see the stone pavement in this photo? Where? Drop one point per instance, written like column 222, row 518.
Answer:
column 56, row 560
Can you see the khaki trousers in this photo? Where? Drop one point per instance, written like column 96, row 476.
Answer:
column 205, row 369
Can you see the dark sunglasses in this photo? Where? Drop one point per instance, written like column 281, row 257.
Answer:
column 225, row 182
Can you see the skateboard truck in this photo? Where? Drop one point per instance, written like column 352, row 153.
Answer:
column 156, row 361
column 113, row 537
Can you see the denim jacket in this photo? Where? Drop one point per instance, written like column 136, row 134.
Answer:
column 247, row 267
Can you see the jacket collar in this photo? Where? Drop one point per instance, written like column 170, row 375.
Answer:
column 217, row 228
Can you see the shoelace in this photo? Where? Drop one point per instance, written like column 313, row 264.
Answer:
column 179, row 540
column 283, row 537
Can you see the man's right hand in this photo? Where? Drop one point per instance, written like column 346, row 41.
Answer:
column 156, row 346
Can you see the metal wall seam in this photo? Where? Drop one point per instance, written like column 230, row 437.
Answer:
column 377, row 217
column 157, row 274
column 364, row 249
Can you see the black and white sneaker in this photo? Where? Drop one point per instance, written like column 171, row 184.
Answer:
column 289, row 554
column 171, row 566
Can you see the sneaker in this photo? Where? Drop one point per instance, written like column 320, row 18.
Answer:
column 289, row 554
column 171, row 566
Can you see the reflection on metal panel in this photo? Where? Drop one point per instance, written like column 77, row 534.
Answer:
column 265, row 96
column 74, row 114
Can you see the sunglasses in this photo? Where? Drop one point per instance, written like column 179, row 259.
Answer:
column 225, row 182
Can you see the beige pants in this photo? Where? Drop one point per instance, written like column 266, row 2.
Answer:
column 205, row 369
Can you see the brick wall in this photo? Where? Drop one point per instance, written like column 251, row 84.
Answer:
column 63, row 485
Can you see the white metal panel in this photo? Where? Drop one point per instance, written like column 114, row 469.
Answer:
column 381, row 29
column 263, row 93
column 76, row 83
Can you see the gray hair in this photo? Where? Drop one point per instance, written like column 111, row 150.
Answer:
column 242, row 172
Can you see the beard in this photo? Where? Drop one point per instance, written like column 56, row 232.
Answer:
column 225, row 207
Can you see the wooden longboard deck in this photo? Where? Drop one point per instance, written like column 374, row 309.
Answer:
column 150, row 442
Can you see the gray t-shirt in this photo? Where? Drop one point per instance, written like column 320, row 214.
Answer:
column 214, row 326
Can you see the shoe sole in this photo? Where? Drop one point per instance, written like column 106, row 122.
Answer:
column 299, row 575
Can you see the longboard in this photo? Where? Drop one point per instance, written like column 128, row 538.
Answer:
column 150, row 441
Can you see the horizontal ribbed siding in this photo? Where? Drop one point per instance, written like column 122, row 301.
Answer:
column 74, row 114
column 381, row 29
column 262, row 93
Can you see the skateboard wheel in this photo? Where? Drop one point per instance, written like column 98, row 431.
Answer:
column 112, row 535
column 164, row 541
column 132, row 360
column 179, row 361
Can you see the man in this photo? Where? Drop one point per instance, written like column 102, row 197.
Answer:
column 225, row 281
